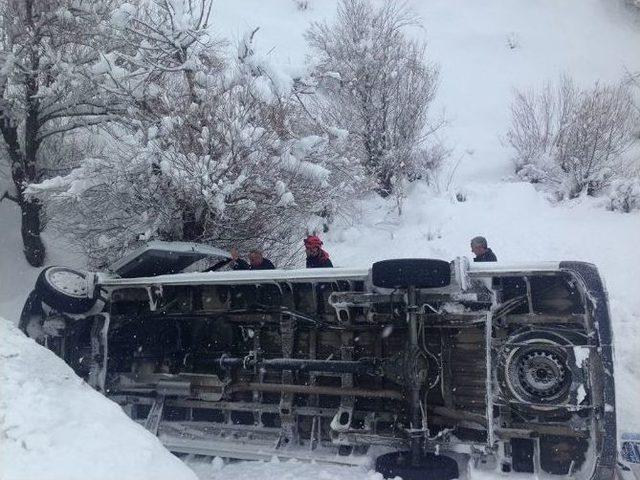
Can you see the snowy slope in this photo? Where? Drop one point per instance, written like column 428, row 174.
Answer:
column 16, row 275
column 471, row 41
column 53, row 426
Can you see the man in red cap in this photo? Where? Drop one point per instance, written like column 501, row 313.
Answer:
column 316, row 256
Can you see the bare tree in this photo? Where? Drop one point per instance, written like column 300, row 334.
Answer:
column 574, row 140
column 633, row 81
column 375, row 82
column 46, row 55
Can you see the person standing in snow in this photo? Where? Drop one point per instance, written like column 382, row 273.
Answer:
column 482, row 252
column 316, row 256
column 257, row 261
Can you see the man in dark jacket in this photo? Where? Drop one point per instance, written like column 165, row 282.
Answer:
column 316, row 256
column 482, row 252
column 257, row 261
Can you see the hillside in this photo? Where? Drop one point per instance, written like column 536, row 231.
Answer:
column 484, row 50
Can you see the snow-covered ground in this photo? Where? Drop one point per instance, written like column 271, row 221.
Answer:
column 16, row 276
column 53, row 426
column 217, row 469
column 485, row 50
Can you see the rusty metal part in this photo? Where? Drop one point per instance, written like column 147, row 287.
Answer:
column 535, row 430
column 315, row 390
column 458, row 414
column 363, row 366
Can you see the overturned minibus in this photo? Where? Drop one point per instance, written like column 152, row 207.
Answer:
column 416, row 366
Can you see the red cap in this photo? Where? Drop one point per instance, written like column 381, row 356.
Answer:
column 312, row 241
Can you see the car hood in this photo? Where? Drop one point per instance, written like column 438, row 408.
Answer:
column 162, row 258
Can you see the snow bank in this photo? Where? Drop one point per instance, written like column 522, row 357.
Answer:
column 53, row 426
column 216, row 469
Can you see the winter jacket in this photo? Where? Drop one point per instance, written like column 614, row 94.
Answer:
column 319, row 261
column 487, row 256
column 266, row 264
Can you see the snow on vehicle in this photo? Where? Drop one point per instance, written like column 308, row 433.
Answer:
column 423, row 365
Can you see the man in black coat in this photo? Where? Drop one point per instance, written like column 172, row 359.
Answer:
column 482, row 252
column 257, row 261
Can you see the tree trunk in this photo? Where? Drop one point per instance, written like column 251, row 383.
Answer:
column 23, row 172
column 192, row 227
column 384, row 187
column 23, row 163
column 34, row 250
column 374, row 164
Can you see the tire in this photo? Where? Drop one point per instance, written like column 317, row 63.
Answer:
column 546, row 345
column 64, row 290
column 417, row 272
column 430, row 466
column 32, row 308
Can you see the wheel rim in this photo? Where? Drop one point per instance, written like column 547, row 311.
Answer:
column 69, row 282
column 541, row 373
column 538, row 374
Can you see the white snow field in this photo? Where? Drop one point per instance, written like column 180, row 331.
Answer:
column 485, row 50
column 52, row 426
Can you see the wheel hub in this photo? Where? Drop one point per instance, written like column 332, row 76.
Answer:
column 68, row 282
column 538, row 374
column 541, row 373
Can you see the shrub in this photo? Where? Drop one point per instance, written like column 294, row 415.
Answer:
column 571, row 139
column 624, row 195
